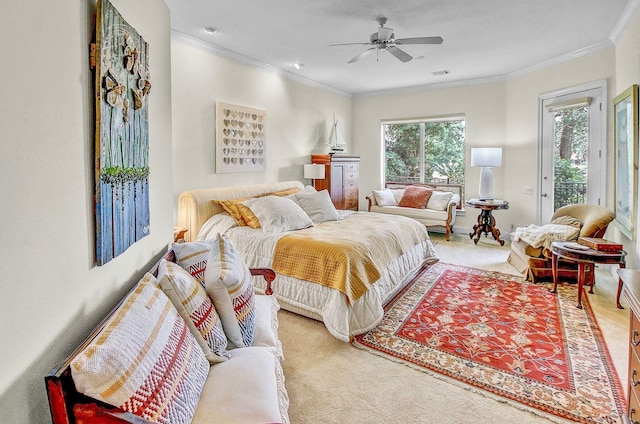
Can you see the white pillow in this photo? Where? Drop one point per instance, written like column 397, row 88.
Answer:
column 318, row 206
column 397, row 194
column 439, row 200
column 385, row 197
column 217, row 224
column 228, row 283
column 278, row 214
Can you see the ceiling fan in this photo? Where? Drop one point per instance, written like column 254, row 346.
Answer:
column 385, row 39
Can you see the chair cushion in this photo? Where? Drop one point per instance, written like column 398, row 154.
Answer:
column 248, row 388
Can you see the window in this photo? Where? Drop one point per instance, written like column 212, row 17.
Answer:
column 424, row 151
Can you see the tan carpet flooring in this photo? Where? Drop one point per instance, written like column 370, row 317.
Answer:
column 334, row 382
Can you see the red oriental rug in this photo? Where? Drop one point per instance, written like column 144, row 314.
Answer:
column 504, row 335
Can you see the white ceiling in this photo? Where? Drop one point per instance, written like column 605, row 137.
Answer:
column 482, row 39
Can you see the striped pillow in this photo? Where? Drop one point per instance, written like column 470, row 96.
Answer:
column 193, row 257
column 195, row 307
column 144, row 361
column 228, row 283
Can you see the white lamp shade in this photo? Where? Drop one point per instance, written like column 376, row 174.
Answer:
column 314, row 171
column 486, row 156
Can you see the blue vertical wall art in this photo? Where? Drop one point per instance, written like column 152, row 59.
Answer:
column 122, row 86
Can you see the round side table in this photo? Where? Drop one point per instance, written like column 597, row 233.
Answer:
column 486, row 222
column 584, row 256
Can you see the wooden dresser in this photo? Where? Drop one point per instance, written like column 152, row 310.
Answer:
column 340, row 179
column 631, row 279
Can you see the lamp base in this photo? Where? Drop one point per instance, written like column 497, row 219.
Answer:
column 486, row 183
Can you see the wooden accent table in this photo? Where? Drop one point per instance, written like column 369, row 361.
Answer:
column 584, row 256
column 631, row 280
column 486, row 222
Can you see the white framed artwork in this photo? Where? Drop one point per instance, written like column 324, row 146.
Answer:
column 240, row 138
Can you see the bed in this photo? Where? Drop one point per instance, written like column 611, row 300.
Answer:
column 346, row 305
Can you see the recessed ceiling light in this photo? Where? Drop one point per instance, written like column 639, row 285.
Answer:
column 418, row 58
column 298, row 65
column 210, row 30
column 444, row 72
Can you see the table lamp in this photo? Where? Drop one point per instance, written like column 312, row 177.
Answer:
column 314, row 171
column 486, row 158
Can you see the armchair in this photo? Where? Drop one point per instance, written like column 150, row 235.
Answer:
column 535, row 262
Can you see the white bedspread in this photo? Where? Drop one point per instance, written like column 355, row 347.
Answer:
column 329, row 305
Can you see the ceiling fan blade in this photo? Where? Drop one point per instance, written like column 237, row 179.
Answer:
column 420, row 40
column 350, row 44
column 400, row 54
column 361, row 55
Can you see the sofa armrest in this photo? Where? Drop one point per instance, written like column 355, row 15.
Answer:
column 268, row 274
column 371, row 200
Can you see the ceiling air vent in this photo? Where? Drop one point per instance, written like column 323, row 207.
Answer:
column 438, row 73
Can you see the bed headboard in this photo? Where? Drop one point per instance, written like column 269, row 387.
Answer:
column 196, row 206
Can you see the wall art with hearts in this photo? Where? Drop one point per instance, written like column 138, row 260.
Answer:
column 120, row 60
column 240, row 138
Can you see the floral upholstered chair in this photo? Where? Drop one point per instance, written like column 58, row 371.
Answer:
column 530, row 245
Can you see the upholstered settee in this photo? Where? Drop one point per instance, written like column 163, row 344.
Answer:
column 163, row 356
column 439, row 210
column 533, row 259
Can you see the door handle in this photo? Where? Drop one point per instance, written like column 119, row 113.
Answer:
column 543, row 195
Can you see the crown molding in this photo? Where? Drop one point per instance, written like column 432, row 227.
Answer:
column 426, row 87
column 187, row 39
column 623, row 21
column 561, row 59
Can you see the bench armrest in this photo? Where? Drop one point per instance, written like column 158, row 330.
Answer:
column 268, row 274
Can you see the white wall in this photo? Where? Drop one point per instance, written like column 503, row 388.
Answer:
column 52, row 293
column 299, row 117
column 521, row 155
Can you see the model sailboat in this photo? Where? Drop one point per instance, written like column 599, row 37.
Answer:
column 336, row 141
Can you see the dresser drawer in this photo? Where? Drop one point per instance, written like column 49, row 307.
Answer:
column 351, row 167
column 350, row 185
column 634, row 331
column 633, row 412
column 351, row 204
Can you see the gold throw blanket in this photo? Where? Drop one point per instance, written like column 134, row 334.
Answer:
column 348, row 255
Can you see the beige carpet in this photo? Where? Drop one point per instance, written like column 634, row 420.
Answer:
column 333, row 382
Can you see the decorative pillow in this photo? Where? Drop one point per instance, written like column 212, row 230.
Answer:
column 397, row 194
column 195, row 307
column 439, row 200
column 567, row 220
column 193, row 256
column 384, row 197
column 217, row 224
column 231, row 207
column 318, row 206
column 145, row 360
column 248, row 216
column 228, row 283
column 278, row 214
column 292, row 190
column 415, row 197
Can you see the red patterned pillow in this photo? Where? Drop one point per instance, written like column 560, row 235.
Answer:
column 144, row 361
column 195, row 307
column 415, row 197
column 193, row 257
column 228, row 284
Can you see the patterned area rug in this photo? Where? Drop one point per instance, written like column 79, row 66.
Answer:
column 501, row 334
